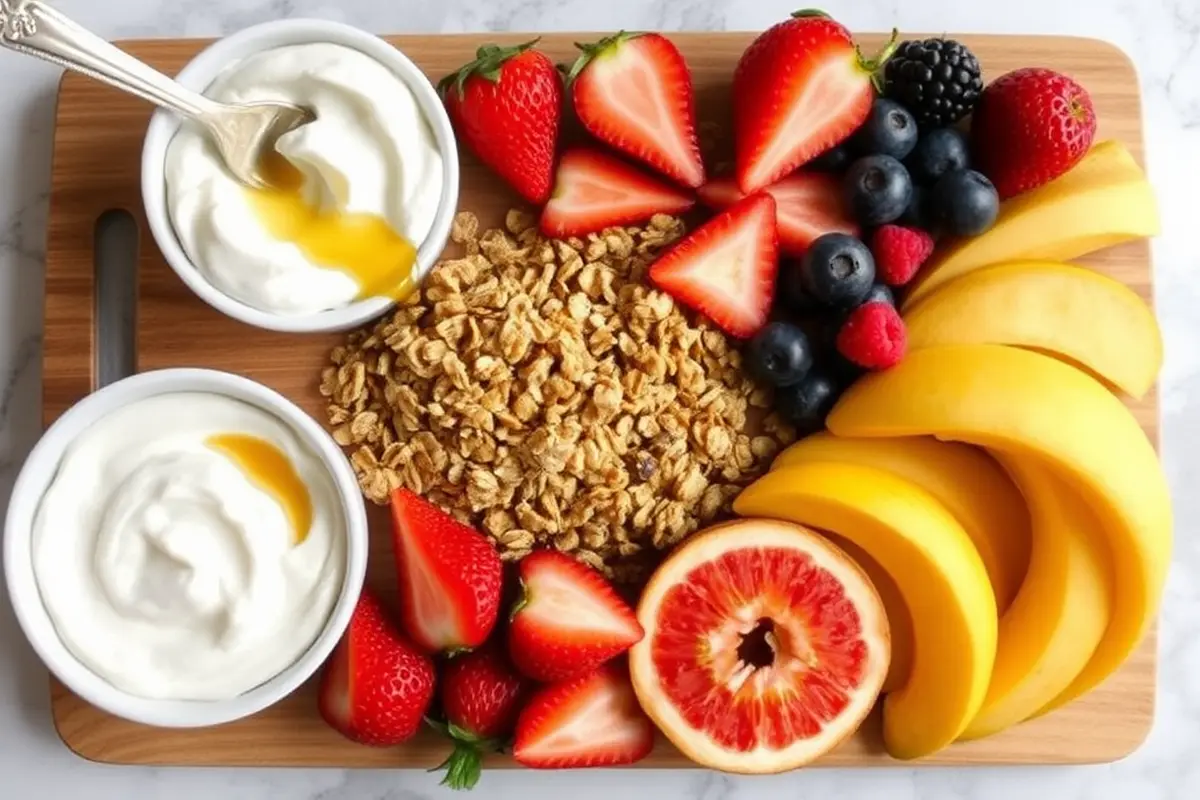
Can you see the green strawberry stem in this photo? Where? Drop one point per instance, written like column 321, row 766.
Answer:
column 874, row 65
column 804, row 13
column 488, row 60
column 871, row 66
column 464, row 765
column 594, row 50
column 522, row 601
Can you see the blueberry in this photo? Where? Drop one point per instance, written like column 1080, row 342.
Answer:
column 938, row 152
column 807, row 403
column 790, row 291
column 837, row 270
column 890, row 130
column 877, row 189
column 916, row 213
column 780, row 354
column 881, row 293
column 843, row 371
column 964, row 203
column 834, row 159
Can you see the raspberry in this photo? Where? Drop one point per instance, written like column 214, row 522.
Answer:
column 899, row 252
column 873, row 336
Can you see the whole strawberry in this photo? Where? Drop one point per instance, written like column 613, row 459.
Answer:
column 506, row 106
column 1030, row 126
column 377, row 685
column 481, row 696
column 449, row 575
column 800, row 88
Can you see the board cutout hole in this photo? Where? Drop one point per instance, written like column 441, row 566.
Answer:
column 114, row 253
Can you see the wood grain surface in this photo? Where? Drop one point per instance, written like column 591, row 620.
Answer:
column 95, row 169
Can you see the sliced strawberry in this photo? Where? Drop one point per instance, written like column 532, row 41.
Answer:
column 449, row 576
column 633, row 91
column 569, row 621
column 799, row 89
column 725, row 269
column 594, row 191
column 377, row 685
column 807, row 205
column 592, row 721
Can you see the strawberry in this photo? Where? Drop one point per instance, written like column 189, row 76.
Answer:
column 633, row 91
column 569, row 619
column 725, row 269
column 799, row 89
column 481, row 695
column 1029, row 127
column 449, row 575
column 506, row 106
column 591, row 721
column 807, row 205
column 899, row 252
column 377, row 685
column 594, row 191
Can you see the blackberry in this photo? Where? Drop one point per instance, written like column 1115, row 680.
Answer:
column 938, row 80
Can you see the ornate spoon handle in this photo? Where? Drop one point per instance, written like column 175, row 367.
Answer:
column 34, row 28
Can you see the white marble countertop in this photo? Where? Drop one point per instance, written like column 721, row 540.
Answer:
column 1163, row 38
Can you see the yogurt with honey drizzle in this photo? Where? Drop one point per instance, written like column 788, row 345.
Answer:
column 352, row 196
column 189, row 548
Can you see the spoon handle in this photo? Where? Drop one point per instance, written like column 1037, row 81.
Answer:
column 34, row 28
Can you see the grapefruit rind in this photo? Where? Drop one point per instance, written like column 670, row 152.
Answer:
column 751, row 534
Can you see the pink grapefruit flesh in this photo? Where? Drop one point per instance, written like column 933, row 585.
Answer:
column 765, row 647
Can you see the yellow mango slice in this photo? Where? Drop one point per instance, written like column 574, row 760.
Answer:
column 972, row 487
column 937, row 570
column 1085, row 318
column 1025, row 403
column 1062, row 610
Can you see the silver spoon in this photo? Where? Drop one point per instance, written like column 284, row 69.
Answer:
column 241, row 132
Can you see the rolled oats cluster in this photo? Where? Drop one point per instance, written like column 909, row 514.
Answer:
column 543, row 392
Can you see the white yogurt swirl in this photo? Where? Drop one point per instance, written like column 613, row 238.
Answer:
column 370, row 151
column 172, row 571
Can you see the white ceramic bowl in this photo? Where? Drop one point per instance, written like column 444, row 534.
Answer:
column 200, row 73
column 36, row 476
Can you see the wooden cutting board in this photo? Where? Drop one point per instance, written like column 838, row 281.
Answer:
column 95, row 169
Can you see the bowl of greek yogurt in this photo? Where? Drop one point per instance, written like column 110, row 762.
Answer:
column 185, row 547
column 361, row 199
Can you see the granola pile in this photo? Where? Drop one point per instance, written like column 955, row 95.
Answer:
column 543, row 392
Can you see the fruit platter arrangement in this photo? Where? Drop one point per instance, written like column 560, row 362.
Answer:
column 740, row 429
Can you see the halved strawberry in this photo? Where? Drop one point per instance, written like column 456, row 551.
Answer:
column 377, row 686
column 449, row 575
column 799, row 89
column 725, row 269
column 592, row 721
column 569, row 619
column 807, row 205
column 633, row 91
column 594, row 190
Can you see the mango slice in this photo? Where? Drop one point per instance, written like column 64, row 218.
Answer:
column 964, row 479
column 1062, row 611
column 1087, row 319
column 1024, row 403
column 937, row 569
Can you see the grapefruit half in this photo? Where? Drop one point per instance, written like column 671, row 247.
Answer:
column 765, row 647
